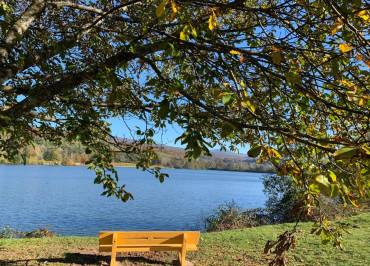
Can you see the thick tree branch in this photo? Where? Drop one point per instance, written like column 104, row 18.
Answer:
column 20, row 27
column 37, row 96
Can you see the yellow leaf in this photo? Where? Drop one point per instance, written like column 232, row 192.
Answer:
column 249, row 105
column 361, row 102
column 273, row 153
column 366, row 149
column 194, row 32
column 364, row 14
column 242, row 84
column 212, row 21
column 234, row 52
column 161, row 9
column 348, row 84
column 345, row 48
column 174, row 7
column 183, row 36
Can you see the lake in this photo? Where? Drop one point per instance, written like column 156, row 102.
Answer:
column 65, row 200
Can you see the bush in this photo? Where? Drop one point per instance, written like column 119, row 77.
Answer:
column 284, row 203
column 283, row 199
column 230, row 216
column 40, row 233
column 8, row 232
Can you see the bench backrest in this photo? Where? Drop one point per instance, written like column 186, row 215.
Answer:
column 148, row 241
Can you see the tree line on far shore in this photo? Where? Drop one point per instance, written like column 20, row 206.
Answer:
column 67, row 153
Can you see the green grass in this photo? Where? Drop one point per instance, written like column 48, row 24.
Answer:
column 235, row 247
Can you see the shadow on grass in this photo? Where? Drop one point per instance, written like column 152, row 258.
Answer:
column 83, row 259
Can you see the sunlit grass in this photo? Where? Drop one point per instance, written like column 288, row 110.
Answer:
column 235, row 247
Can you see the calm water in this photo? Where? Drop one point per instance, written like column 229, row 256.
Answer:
column 65, row 199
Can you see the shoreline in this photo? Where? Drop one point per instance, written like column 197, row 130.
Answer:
column 132, row 165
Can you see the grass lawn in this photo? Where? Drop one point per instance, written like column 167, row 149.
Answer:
column 235, row 247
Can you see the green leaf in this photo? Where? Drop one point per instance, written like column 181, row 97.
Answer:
column 88, row 150
column 293, row 77
column 226, row 130
column 164, row 108
column 345, row 153
column 314, row 187
column 334, row 190
column 254, row 151
column 126, row 197
column 332, row 176
column 162, row 177
column 323, row 180
column 277, row 58
column 227, row 98
column 194, row 32
column 4, row 8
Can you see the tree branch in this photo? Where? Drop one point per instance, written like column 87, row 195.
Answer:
column 37, row 96
column 20, row 27
column 59, row 4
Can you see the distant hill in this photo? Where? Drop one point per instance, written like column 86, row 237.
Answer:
column 171, row 157
column 215, row 153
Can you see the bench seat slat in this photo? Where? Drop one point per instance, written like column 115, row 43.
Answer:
column 190, row 247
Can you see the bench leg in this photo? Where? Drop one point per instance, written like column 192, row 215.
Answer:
column 113, row 259
column 183, row 251
column 182, row 258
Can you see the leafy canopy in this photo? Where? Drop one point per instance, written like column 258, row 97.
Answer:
column 289, row 78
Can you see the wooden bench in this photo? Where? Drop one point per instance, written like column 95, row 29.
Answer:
column 180, row 241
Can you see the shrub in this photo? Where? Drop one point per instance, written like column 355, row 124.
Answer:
column 230, row 216
column 283, row 202
column 8, row 232
column 40, row 233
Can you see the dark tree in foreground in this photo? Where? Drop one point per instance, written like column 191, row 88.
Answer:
column 289, row 78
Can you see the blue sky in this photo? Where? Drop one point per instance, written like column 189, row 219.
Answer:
column 166, row 137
